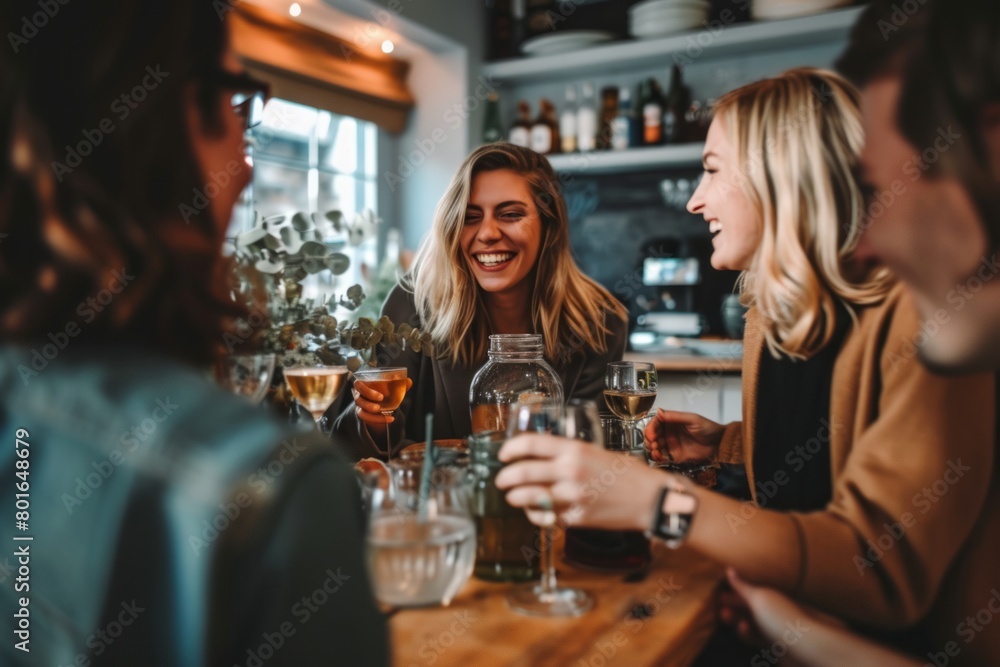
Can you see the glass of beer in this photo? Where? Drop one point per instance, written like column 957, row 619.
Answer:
column 630, row 391
column 316, row 388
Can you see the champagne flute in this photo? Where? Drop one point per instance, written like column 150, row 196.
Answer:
column 545, row 598
column 630, row 391
column 316, row 388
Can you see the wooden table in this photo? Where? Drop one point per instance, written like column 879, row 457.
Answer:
column 664, row 619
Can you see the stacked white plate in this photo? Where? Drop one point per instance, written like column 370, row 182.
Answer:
column 658, row 18
column 766, row 10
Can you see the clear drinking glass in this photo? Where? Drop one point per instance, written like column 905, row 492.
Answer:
column 630, row 391
column 546, row 598
column 391, row 383
column 246, row 374
column 316, row 388
column 418, row 563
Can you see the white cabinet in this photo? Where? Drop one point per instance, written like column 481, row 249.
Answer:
column 716, row 396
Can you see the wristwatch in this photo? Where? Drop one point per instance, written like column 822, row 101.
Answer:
column 674, row 514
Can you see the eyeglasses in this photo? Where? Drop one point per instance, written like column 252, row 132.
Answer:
column 249, row 94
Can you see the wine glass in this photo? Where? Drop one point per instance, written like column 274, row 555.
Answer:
column 630, row 391
column 545, row 598
column 391, row 383
column 246, row 374
column 316, row 388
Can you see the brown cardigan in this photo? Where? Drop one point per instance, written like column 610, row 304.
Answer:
column 911, row 538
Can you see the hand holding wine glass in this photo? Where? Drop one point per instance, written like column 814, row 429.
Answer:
column 546, row 598
column 376, row 400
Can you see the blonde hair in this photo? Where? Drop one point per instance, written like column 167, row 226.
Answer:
column 567, row 307
column 798, row 137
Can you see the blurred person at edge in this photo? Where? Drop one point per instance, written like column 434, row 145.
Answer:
column 163, row 530
column 878, row 551
column 497, row 260
column 930, row 82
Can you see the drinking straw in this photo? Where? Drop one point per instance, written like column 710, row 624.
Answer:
column 425, row 471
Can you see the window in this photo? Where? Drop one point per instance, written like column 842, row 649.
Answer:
column 310, row 160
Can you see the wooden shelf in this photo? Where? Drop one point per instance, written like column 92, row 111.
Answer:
column 718, row 42
column 632, row 159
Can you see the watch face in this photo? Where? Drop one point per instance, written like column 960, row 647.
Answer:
column 674, row 516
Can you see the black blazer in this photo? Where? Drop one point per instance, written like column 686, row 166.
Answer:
column 443, row 388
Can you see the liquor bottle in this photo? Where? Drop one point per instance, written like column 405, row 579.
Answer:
column 586, row 120
column 492, row 127
column 652, row 115
column 621, row 129
column 545, row 131
column 609, row 111
column 675, row 109
column 635, row 128
column 520, row 131
column 567, row 122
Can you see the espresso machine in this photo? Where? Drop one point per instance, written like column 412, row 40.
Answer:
column 665, row 306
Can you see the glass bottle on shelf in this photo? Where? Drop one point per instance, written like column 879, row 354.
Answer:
column 515, row 371
column 492, row 127
column 620, row 126
column 567, row 122
column 545, row 131
column 520, row 131
column 586, row 120
column 609, row 111
column 652, row 115
column 635, row 128
column 675, row 109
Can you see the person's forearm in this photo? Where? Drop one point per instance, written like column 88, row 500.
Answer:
column 762, row 545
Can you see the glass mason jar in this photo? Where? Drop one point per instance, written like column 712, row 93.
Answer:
column 516, row 371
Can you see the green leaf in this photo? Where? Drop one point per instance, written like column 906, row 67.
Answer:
column 366, row 324
column 375, row 338
column 353, row 363
column 385, row 324
column 404, row 329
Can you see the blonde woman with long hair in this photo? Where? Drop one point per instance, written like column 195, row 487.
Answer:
column 843, row 431
column 497, row 261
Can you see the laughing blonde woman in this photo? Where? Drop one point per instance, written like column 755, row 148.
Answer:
column 497, row 261
column 869, row 475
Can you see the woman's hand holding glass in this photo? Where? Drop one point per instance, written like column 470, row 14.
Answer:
column 574, row 474
column 682, row 436
column 368, row 404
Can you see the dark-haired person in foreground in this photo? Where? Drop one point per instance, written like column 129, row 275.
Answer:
column 931, row 85
column 171, row 523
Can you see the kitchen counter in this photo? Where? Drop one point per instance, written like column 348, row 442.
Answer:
column 692, row 356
